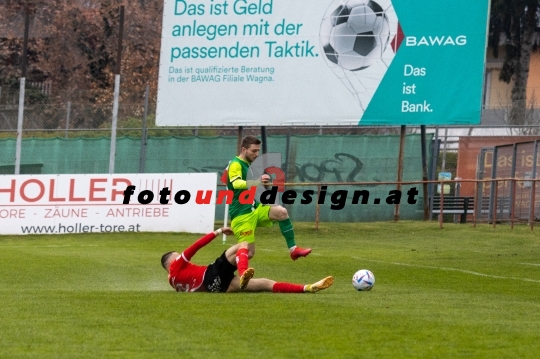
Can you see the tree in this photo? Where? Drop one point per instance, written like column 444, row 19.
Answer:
column 12, row 19
column 74, row 44
column 517, row 20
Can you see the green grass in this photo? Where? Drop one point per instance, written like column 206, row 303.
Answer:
column 460, row 292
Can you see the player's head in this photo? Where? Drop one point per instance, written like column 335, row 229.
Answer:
column 167, row 259
column 250, row 148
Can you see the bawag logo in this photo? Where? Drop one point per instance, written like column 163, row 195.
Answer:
column 443, row 40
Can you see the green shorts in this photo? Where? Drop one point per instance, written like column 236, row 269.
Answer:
column 244, row 225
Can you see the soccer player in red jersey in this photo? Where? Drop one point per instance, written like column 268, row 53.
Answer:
column 219, row 276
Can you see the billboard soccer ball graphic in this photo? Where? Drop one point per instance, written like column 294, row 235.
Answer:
column 355, row 38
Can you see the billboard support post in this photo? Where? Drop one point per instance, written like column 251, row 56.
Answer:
column 400, row 168
column 114, row 124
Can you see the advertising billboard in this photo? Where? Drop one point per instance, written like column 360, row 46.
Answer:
column 321, row 62
column 60, row 204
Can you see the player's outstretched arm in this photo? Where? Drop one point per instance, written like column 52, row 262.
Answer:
column 203, row 241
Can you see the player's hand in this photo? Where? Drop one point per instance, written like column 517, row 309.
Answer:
column 265, row 179
column 227, row 231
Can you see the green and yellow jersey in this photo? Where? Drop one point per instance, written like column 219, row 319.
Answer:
column 237, row 182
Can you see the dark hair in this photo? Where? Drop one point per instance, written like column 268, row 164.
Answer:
column 165, row 258
column 250, row 140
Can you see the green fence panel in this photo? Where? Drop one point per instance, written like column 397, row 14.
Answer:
column 306, row 159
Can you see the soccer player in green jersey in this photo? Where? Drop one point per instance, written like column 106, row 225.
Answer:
column 245, row 218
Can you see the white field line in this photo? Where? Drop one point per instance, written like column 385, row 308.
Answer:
column 531, row 264
column 448, row 269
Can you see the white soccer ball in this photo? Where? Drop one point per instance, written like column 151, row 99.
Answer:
column 363, row 280
column 355, row 34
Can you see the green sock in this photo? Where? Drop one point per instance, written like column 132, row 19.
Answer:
column 287, row 231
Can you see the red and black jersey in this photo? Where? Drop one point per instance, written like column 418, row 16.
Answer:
column 185, row 276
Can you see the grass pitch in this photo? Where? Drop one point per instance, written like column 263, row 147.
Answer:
column 460, row 292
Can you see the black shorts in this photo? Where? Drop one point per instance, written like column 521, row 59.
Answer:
column 219, row 275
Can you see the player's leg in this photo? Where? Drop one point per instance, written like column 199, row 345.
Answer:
column 280, row 214
column 254, row 285
column 245, row 278
column 244, row 230
column 237, row 256
column 282, row 287
column 220, row 274
column 320, row 285
column 268, row 285
column 251, row 250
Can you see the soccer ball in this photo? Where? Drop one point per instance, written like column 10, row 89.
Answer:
column 363, row 280
column 355, row 34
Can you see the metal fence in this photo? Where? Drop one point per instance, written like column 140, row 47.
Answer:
column 45, row 116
